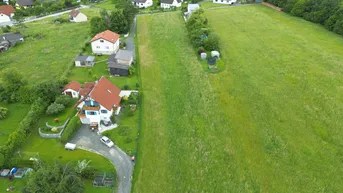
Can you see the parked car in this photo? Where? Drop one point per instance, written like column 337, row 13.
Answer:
column 107, row 141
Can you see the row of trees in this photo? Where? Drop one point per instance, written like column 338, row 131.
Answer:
column 44, row 7
column 199, row 32
column 326, row 12
column 118, row 20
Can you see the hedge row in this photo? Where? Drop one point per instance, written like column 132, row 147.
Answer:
column 19, row 136
column 73, row 125
column 326, row 12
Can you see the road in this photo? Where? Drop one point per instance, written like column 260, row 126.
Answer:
column 130, row 41
column 90, row 141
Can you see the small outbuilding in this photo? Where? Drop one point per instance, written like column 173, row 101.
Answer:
column 85, row 61
column 215, row 54
column 77, row 16
column 120, row 63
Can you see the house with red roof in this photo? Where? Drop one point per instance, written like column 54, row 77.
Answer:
column 6, row 13
column 72, row 89
column 99, row 100
column 105, row 43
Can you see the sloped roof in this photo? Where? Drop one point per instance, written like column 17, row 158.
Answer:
column 7, row 10
column 106, row 35
column 11, row 37
column 106, row 93
column 72, row 85
column 88, row 85
column 25, row 2
column 85, row 58
column 74, row 13
column 124, row 55
column 139, row 1
column 170, row 1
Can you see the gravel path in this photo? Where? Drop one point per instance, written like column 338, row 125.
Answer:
column 90, row 141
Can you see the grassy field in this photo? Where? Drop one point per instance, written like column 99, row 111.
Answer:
column 16, row 112
column 210, row 4
column 48, row 48
column 106, row 5
column 269, row 122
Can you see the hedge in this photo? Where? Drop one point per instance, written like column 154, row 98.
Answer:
column 19, row 136
column 73, row 125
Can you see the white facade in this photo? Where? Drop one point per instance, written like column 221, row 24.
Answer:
column 174, row 4
column 94, row 115
column 230, row 2
column 105, row 47
column 71, row 92
column 80, row 18
column 192, row 7
column 146, row 4
column 6, row 1
column 4, row 18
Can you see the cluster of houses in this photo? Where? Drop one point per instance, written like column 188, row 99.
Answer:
column 98, row 100
column 107, row 43
column 166, row 4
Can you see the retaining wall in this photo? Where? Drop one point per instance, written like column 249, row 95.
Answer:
column 53, row 135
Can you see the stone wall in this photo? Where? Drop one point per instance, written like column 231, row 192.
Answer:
column 53, row 135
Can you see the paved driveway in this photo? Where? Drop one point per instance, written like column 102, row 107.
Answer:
column 90, row 141
column 130, row 41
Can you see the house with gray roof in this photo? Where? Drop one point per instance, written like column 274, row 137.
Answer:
column 84, row 61
column 120, row 63
column 142, row 3
column 166, row 4
column 24, row 3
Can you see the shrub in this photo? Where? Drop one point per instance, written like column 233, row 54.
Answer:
column 60, row 20
column 55, row 108
column 3, row 113
column 201, row 50
column 73, row 125
column 88, row 173
column 212, row 42
column 126, row 87
column 64, row 100
column 113, row 119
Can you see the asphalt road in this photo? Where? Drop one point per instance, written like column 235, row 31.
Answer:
column 130, row 41
column 90, row 141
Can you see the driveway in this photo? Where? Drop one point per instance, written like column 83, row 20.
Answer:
column 90, row 141
column 130, row 41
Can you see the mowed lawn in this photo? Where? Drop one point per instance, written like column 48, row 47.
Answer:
column 270, row 122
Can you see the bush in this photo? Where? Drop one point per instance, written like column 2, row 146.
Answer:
column 113, row 119
column 55, row 108
column 64, row 100
column 60, row 20
column 88, row 173
column 3, row 113
column 73, row 125
column 212, row 42
column 201, row 50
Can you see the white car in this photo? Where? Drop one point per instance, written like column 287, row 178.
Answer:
column 107, row 141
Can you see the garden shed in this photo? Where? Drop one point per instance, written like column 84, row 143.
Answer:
column 85, row 61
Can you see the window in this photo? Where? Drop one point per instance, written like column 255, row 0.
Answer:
column 98, row 47
column 91, row 113
column 102, row 41
column 107, row 47
column 104, row 111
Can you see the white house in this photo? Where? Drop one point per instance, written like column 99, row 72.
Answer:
column 192, row 7
column 166, row 4
column 84, row 61
column 72, row 89
column 142, row 3
column 230, row 2
column 6, row 13
column 77, row 16
column 101, row 102
column 106, row 43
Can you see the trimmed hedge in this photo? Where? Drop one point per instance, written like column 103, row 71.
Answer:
column 73, row 125
column 19, row 136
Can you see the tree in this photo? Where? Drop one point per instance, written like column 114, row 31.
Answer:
column 211, row 42
column 129, row 10
column 47, row 90
column 55, row 108
column 12, row 79
column 118, row 22
column 97, row 25
column 3, row 113
column 64, row 100
column 54, row 179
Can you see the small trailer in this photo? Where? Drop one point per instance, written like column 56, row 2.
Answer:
column 70, row 146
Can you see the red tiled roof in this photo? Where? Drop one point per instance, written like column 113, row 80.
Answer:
column 74, row 13
column 7, row 9
column 106, row 93
column 88, row 85
column 84, row 91
column 106, row 35
column 72, row 85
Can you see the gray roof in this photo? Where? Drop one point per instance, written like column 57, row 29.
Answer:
column 124, row 55
column 117, row 65
column 25, row 2
column 193, row 6
column 139, row 1
column 11, row 37
column 169, row 1
column 85, row 58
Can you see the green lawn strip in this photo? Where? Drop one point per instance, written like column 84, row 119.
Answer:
column 206, row 5
column 125, row 136
column 281, row 95
column 16, row 112
column 6, row 183
column 108, row 5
